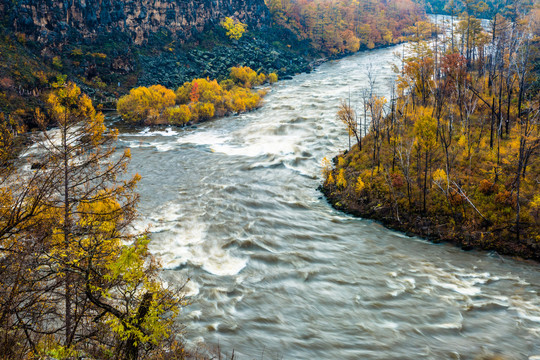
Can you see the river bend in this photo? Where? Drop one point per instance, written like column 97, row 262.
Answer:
column 233, row 206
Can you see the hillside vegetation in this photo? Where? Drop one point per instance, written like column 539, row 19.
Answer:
column 454, row 154
column 341, row 26
column 107, row 65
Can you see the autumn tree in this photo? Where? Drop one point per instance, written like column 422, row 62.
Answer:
column 425, row 129
column 93, row 285
column 337, row 26
column 348, row 116
column 235, row 29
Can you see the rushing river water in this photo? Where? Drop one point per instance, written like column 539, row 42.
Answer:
column 233, row 206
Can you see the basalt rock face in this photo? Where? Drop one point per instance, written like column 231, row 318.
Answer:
column 59, row 22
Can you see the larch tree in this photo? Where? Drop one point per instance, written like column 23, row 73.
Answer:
column 87, row 285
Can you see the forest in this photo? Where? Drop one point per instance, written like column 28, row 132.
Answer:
column 339, row 26
column 453, row 155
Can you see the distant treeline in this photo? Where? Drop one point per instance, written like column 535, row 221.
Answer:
column 339, row 26
column 480, row 8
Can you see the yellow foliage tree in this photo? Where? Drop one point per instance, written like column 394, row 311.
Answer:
column 350, row 41
column 92, row 284
column 272, row 78
column 359, row 185
column 439, row 177
column 235, row 29
column 341, row 182
column 330, row 179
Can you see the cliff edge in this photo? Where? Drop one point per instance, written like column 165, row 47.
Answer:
column 61, row 22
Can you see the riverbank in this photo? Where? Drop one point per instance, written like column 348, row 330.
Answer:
column 437, row 228
column 440, row 161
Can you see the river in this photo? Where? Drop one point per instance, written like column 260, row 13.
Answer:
column 233, row 205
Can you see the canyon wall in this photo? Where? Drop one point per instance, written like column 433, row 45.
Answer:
column 59, row 22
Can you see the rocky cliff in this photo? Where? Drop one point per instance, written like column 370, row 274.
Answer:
column 110, row 46
column 59, row 22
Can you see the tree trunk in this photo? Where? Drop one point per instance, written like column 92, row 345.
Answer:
column 66, row 231
column 425, row 179
column 132, row 345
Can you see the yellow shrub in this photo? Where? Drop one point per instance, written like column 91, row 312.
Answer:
column 272, row 78
column 261, row 78
column 227, row 84
column 202, row 111
column 238, row 104
column 243, row 76
column 178, row 115
column 182, row 93
column 210, row 91
column 145, row 104
column 243, row 99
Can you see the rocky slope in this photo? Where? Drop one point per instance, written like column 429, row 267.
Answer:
column 62, row 22
column 110, row 46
